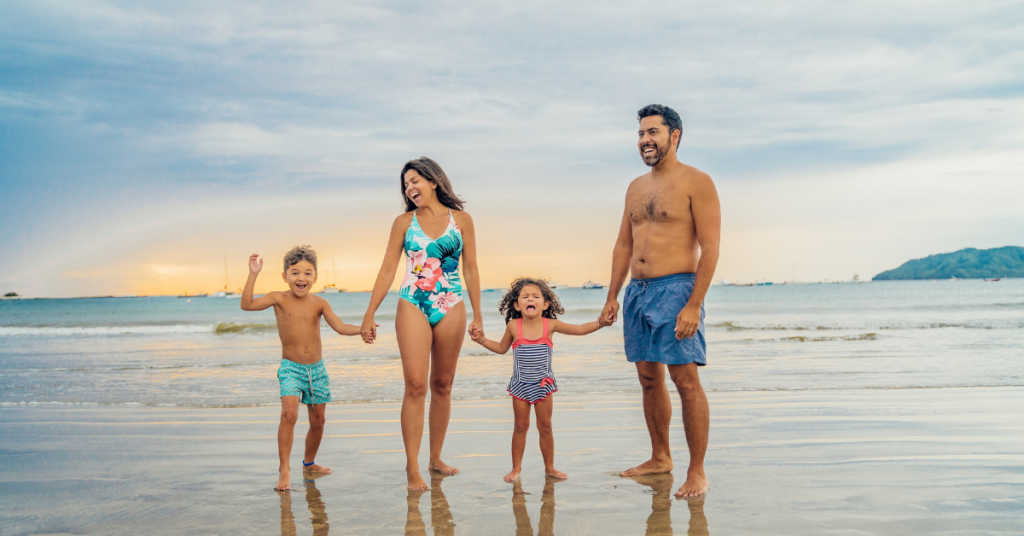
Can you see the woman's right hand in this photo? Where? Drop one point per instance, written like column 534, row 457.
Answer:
column 368, row 331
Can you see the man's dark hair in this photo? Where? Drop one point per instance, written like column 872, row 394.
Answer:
column 669, row 118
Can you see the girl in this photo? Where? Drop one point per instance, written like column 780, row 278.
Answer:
column 533, row 307
column 435, row 234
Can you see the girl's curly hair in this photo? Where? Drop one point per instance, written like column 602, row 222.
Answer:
column 507, row 305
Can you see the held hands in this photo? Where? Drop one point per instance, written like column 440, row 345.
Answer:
column 368, row 331
column 255, row 263
column 610, row 314
column 476, row 330
column 687, row 322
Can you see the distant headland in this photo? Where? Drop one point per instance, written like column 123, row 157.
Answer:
column 967, row 263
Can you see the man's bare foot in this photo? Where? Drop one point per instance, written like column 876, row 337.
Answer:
column 416, row 482
column 316, row 468
column 555, row 473
column 284, row 480
column 650, row 467
column 695, row 486
column 443, row 468
column 512, row 475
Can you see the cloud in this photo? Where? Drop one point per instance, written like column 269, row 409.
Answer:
column 117, row 118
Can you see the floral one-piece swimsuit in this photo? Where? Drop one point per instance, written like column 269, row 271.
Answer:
column 432, row 281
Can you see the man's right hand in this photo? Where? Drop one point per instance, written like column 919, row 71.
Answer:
column 368, row 331
column 610, row 313
column 255, row 263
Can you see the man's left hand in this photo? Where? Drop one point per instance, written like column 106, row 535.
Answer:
column 687, row 322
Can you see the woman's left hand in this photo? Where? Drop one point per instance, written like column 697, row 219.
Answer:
column 476, row 326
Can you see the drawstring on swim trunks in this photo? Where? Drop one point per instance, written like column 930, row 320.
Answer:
column 312, row 392
column 642, row 285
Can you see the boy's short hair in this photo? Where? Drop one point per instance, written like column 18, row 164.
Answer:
column 299, row 253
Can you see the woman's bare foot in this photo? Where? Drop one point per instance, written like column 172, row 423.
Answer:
column 315, row 468
column 443, row 468
column 650, row 467
column 416, row 482
column 695, row 486
column 284, row 480
column 555, row 473
column 512, row 476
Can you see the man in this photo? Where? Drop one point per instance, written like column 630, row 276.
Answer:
column 668, row 243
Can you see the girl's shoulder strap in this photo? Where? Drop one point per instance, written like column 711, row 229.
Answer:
column 519, row 328
column 546, row 333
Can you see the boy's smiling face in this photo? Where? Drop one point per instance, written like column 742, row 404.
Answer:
column 300, row 277
column 531, row 303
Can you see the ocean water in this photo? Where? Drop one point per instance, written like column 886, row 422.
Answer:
column 206, row 352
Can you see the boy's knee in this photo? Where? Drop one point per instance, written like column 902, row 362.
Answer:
column 317, row 422
column 289, row 416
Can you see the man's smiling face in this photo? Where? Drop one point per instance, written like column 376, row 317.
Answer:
column 300, row 277
column 655, row 139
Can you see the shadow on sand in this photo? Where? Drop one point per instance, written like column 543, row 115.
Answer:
column 660, row 521
column 314, row 501
column 441, row 520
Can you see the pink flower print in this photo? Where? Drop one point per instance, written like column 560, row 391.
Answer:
column 414, row 265
column 444, row 301
column 429, row 273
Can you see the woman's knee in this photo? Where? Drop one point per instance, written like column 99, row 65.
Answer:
column 441, row 387
column 415, row 389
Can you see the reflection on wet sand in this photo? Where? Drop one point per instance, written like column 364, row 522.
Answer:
column 441, row 519
column 660, row 521
column 546, row 526
column 315, row 502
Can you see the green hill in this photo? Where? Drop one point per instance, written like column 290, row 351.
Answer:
column 967, row 263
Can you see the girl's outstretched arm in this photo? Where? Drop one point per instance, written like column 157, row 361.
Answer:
column 495, row 346
column 557, row 326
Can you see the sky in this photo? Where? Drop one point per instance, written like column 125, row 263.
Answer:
column 143, row 144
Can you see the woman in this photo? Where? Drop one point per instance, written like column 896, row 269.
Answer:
column 434, row 232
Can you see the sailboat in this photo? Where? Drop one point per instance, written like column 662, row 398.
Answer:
column 226, row 293
column 331, row 288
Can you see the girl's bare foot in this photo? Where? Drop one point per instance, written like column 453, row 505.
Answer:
column 555, row 473
column 416, row 482
column 284, row 480
column 316, row 468
column 443, row 468
column 512, row 476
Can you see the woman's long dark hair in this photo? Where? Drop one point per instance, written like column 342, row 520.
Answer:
column 507, row 305
column 428, row 169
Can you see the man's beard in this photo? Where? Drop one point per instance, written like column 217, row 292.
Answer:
column 659, row 153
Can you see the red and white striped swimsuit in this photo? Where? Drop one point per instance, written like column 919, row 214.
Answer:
column 532, row 377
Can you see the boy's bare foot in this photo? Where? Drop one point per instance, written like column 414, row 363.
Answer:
column 512, row 476
column 443, row 468
column 555, row 473
column 284, row 481
column 650, row 467
column 695, row 486
column 416, row 482
column 316, row 468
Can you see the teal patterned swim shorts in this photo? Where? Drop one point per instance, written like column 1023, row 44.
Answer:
column 310, row 382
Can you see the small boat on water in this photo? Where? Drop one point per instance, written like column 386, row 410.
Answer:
column 592, row 285
column 994, row 280
column 331, row 288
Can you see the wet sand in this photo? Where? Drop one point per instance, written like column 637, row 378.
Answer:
column 862, row 461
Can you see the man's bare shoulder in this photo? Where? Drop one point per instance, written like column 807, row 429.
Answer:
column 694, row 175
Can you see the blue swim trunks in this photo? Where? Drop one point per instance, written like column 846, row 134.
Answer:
column 649, row 321
column 309, row 382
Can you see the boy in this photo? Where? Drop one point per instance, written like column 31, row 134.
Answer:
column 302, row 374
